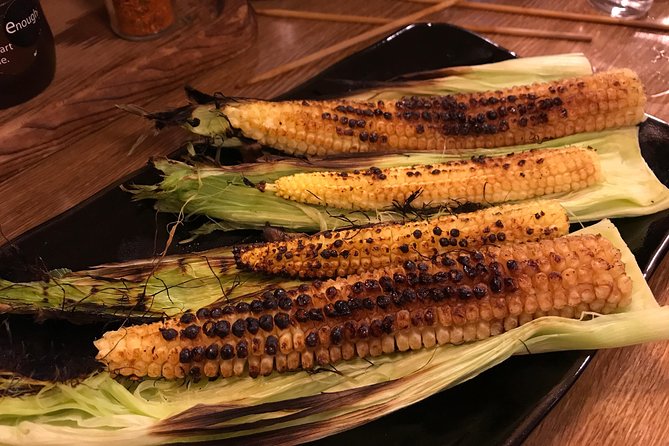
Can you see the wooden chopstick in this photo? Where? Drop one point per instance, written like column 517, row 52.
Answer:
column 523, row 32
column 561, row 15
column 325, row 16
column 347, row 43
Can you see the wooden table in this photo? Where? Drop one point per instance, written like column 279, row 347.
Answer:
column 62, row 147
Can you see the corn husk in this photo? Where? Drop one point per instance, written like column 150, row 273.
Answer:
column 630, row 188
column 297, row 407
column 492, row 76
column 220, row 193
column 140, row 289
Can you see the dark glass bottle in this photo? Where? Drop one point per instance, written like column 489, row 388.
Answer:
column 27, row 51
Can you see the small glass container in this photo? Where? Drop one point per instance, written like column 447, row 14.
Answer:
column 141, row 19
column 624, row 9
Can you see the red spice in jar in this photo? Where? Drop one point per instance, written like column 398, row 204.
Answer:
column 140, row 18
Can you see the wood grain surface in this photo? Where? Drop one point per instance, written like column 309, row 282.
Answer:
column 70, row 142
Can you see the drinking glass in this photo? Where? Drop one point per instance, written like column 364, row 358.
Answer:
column 628, row 9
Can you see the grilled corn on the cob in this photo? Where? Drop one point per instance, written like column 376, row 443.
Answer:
column 513, row 116
column 458, row 297
column 516, row 176
column 354, row 251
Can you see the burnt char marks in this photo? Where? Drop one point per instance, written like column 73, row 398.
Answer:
column 482, row 113
column 454, row 276
column 355, row 120
column 343, row 306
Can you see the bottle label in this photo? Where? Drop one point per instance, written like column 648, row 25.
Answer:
column 22, row 23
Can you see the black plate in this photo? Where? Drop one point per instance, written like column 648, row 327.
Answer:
column 501, row 406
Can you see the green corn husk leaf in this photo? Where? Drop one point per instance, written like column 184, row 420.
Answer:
column 630, row 188
column 150, row 288
column 493, row 76
column 222, row 195
column 298, row 407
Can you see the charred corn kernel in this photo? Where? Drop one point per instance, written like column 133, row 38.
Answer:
column 459, row 296
column 517, row 176
column 513, row 116
column 354, row 251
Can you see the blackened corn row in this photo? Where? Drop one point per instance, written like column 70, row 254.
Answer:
column 516, row 176
column 513, row 116
column 355, row 251
column 458, row 297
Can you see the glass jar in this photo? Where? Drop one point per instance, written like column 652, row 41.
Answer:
column 625, row 9
column 141, row 19
column 27, row 51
